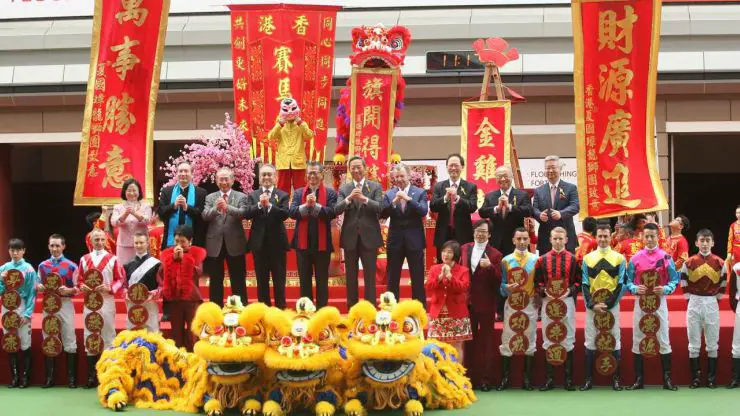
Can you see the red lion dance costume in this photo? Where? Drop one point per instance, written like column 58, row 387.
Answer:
column 372, row 47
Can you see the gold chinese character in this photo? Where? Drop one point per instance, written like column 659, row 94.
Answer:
column 615, row 84
column 320, row 124
column 556, row 333
column 324, row 81
column 240, row 63
column 92, row 154
column 91, row 170
column 99, row 84
column 372, row 172
column 606, row 365
column 555, row 354
column 485, row 168
column 649, row 326
column 282, row 59
column 371, row 116
column 300, row 25
column 323, row 102
column 519, row 323
column 98, row 99
column 240, row 43
column 554, row 309
column 125, row 60
column 97, row 128
column 117, row 115
column 266, row 25
column 100, row 70
column 371, row 89
column 592, row 180
column 328, row 23
column 617, row 133
column 97, row 114
column 284, row 89
column 325, row 61
column 650, row 346
column 242, row 104
column 241, row 84
column 132, row 11
column 326, row 42
column 517, row 345
column 485, row 133
column 620, row 174
column 650, row 302
column 238, row 23
column 243, row 125
column 612, row 30
column 115, row 168
column 368, row 146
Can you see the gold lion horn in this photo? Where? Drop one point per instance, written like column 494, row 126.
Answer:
column 305, row 307
column 387, row 301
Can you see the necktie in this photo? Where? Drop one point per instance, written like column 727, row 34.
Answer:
column 553, row 190
column 452, row 209
column 181, row 213
column 403, row 206
column 506, row 207
column 357, row 201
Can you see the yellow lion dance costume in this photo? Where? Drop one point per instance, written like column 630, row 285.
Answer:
column 224, row 372
column 392, row 366
column 304, row 366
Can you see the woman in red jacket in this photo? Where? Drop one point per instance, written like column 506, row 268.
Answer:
column 447, row 293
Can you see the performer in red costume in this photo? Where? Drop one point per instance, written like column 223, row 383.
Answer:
column 733, row 240
column 676, row 244
column 586, row 239
column 632, row 245
column 182, row 265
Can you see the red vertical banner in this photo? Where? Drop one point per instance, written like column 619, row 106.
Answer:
column 615, row 72
column 373, row 102
column 118, row 128
column 485, row 142
column 281, row 51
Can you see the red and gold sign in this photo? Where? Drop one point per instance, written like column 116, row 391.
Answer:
column 616, row 65
column 373, row 104
column 518, row 344
column 11, row 300
column 485, row 142
column 13, row 279
column 94, row 301
column 53, row 281
column 138, row 293
column 51, row 325
column 518, row 275
column 138, row 315
column 518, row 300
column 605, row 341
column 555, row 354
column 11, row 320
column 556, row 309
column 556, row 332
column 92, row 278
column 606, row 364
column 123, row 83
column 649, row 324
column 519, row 321
column 281, row 51
column 94, row 322
column 51, row 346
column 601, row 296
column 11, row 342
column 556, row 288
column 52, row 303
column 649, row 303
column 94, row 344
column 604, row 321
column 649, row 279
column 649, row 346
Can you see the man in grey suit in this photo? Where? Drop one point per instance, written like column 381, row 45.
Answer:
column 407, row 206
column 555, row 204
column 225, row 239
column 361, row 201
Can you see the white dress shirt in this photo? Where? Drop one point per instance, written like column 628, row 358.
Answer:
column 478, row 250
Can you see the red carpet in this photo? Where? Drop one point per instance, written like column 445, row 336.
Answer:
column 653, row 373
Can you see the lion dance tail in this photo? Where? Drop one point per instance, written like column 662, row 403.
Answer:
column 450, row 388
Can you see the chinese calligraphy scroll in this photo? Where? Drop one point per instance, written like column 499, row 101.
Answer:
column 281, row 51
column 373, row 104
column 615, row 72
column 117, row 132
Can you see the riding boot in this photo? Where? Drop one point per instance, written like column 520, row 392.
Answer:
column 92, row 374
column 712, row 373
column 49, row 368
column 72, row 370
column 638, row 362
column 695, row 373
column 616, row 384
column 665, row 359
column 13, row 364
column 26, row 376
column 588, row 383
column 569, row 372
column 505, row 365
column 527, row 383
column 549, row 382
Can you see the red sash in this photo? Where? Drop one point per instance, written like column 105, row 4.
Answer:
column 101, row 266
column 303, row 221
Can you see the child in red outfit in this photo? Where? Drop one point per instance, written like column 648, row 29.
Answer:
column 447, row 293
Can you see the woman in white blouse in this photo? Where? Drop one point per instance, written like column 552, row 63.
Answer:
column 128, row 217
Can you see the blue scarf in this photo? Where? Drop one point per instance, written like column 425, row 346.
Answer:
column 175, row 218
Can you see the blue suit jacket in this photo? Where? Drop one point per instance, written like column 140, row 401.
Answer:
column 566, row 201
column 407, row 227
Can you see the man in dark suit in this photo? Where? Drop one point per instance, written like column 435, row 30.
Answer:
column 225, row 238
column 555, row 204
column 506, row 207
column 267, row 207
column 454, row 200
column 484, row 263
column 406, row 205
column 180, row 204
column 361, row 202
column 313, row 209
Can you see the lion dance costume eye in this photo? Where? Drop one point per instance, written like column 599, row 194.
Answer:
column 223, row 372
column 392, row 366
